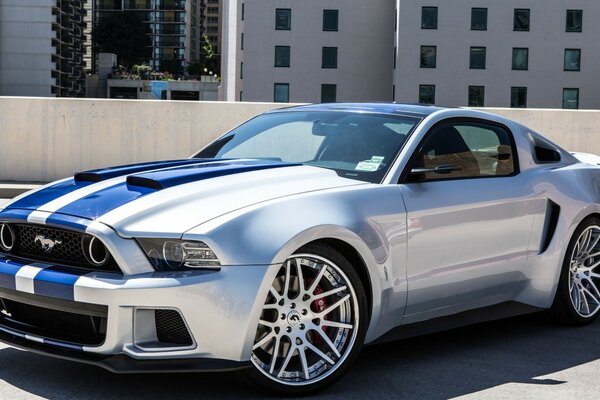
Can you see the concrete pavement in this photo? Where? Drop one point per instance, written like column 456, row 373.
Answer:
column 521, row 358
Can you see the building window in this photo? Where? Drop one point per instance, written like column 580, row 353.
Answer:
column 429, row 18
column 243, row 10
column 328, row 93
column 521, row 20
column 283, row 19
column 477, row 58
column 572, row 59
column 427, row 94
column 571, row 99
column 574, row 20
column 394, row 93
column 518, row 97
column 428, row 56
column 395, row 55
column 330, row 20
column 479, row 19
column 281, row 93
column 330, row 57
column 476, row 96
column 241, row 42
column 242, row 70
column 520, row 59
column 282, row 56
column 241, row 96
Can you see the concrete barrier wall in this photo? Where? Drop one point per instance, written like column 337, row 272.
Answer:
column 42, row 139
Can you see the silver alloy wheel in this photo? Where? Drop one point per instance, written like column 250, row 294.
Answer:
column 308, row 324
column 584, row 280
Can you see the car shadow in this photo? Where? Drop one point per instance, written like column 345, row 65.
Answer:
column 438, row 366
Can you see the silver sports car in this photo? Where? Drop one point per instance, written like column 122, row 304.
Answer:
column 285, row 245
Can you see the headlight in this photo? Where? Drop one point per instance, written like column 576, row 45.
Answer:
column 173, row 255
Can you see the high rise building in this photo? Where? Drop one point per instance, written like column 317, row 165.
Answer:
column 214, row 20
column 174, row 27
column 511, row 53
column 41, row 48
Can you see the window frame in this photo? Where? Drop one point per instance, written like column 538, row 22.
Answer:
column 471, row 57
column 578, row 61
column 275, row 92
column 403, row 180
column 511, row 96
column 427, row 85
column 423, row 8
column 513, row 59
column 323, row 66
column 337, row 20
column 289, row 56
column 421, row 65
column 289, row 11
column 528, row 29
column 567, row 21
column 563, row 98
column 469, row 95
column 329, row 85
column 473, row 10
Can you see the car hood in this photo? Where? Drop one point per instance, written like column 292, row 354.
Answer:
column 168, row 198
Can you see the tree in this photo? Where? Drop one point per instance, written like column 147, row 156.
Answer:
column 124, row 34
column 208, row 60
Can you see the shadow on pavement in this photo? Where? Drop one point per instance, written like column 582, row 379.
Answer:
column 438, row 366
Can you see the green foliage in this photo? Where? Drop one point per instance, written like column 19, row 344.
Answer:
column 124, row 34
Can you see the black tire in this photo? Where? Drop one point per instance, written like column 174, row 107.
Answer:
column 563, row 310
column 258, row 378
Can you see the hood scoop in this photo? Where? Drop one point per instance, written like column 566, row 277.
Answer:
column 163, row 179
column 99, row 175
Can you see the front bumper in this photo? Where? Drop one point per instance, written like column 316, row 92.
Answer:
column 220, row 309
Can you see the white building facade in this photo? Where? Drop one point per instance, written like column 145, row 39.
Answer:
column 513, row 53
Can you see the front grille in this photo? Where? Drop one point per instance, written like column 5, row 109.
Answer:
column 63, row 320
column 68, row 248
column 170, row 328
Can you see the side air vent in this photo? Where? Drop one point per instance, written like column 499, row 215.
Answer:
column 552, row 214
column 170, row 328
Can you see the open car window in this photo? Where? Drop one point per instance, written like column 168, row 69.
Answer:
column 355, row 145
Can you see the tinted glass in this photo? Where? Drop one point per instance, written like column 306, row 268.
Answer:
column 476, row 96
column 282, row 56
column 520, row 59
column 477, row 58
column 476, row 150
column 355, row 145
column 328, row 93
column 283, row 19
column 571, row 99
column 429, row 18
column 521, row 20
column 574, row 20
column 330, row 57
column 572, row 59
column 427, row 94
column 282, row 93
column 330, row 20
column 518, row 97
column 428, row 56
column 479, row 19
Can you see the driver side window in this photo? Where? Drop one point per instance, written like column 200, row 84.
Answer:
column 459, row 150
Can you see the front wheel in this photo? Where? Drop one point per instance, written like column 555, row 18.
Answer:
column 312, row 324
column 577, row 300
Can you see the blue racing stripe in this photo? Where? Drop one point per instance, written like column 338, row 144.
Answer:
column 41, row 197
column 8, row 271
column 65, row 345
column 68, row 221
column 103, row 174
column 12, row 332
column 58, row 282
column 103, row 201
column 14, row 215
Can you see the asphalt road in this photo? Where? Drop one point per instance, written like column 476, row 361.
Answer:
column 521, row 358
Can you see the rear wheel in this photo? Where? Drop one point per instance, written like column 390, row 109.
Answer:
column 577, row 300
column 312, row 324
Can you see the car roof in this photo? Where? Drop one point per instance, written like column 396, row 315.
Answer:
column 418, row 110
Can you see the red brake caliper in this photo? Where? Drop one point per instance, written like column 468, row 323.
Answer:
column 318, row 306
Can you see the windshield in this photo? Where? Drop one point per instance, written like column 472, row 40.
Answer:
column 355, row 145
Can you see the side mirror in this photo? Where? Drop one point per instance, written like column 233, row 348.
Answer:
column 440, row 169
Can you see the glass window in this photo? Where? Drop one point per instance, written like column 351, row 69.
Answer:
column 518, row 97
column 477, row 58
column 574, row 20
column 283, row 19
column 241, row 42
column 329, row 57
column 429, row 18
column 521, row 20
column 282, row 93
column 520, row 59
column 330, row 20
column 428, row 56
column 475, row 149
column 572, row 59
column 427, row 94
column 476, row 96
column 282, row 56
column 242, row 70
column 479, row 19
column 243, row 10
column 571, row 99
column 355, row 145
column 328, row 93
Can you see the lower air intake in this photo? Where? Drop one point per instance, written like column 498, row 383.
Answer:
column 170, row 328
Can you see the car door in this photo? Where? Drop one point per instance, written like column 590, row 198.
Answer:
column 470, row 215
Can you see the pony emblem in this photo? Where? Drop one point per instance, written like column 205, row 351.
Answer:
column 46, row 243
